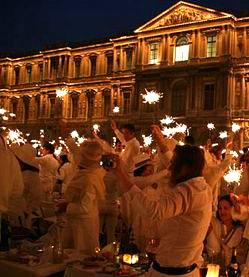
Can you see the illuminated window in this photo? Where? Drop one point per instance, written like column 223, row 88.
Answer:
column 209, row 94
column 182, row 49
column 154, row 53
column 211, row 46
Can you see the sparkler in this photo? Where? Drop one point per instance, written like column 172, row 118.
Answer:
column 151, row 96
column 96, row 128
column 15, row 136
column 2, row 111
column 235, row 127
column 74, row 134
column 233, row 175
column 60, row 93
column 223, row 134
column 147, row 140
column 116, row 109
column 167, row 120
column 210, row 126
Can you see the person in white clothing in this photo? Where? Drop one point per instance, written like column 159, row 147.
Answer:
column 64, row 173
column 48, row 168
column 132, row 146
column 30, row 171
column 184, row 212
column 85, row 195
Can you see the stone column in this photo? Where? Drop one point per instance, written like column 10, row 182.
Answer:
column 163, row 50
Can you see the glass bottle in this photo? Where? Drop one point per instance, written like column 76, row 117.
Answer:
column 58, row 250
column 233, row 269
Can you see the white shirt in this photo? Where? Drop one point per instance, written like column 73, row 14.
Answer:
column 65, row 174
column 48, row 170
column 11, row 183
column 185, row 213
column 132, row 148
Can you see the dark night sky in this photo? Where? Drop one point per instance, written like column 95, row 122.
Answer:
column 33, row 24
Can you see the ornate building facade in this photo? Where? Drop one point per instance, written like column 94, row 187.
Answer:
column 198, row 58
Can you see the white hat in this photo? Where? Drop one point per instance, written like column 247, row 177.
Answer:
column 26, row 153
column 90, row 154
column 141, row 160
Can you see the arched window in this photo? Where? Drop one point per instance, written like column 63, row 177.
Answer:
column 182, row 49
column 90, row 94
column 178, row 99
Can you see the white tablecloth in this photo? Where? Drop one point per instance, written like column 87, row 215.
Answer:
column 12, row 269
column 78, row 271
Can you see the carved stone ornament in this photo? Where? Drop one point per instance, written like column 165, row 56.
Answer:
column 184, row 15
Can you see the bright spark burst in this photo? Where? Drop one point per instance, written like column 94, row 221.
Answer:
column 147, row 140
column 210, row 126
column 116, row 109
column 167, row 120
column 74, row 134
column 61, row 93
column 235, row 127
column 96, row 128
column 171, row 131
column 223, row 134
column 2, row 111
column 15, row 136
column 233, row 175
column 151, row 96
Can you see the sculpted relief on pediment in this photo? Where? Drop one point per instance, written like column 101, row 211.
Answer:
column 183, row 15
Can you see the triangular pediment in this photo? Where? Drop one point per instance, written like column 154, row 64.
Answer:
column 182, row 12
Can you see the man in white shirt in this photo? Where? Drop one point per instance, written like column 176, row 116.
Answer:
column 48, row 167
column 132, row 146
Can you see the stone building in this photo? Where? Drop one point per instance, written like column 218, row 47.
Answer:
column 197, row 57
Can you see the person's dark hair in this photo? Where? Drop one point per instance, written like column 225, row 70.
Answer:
column 227, row 198
column 188, row 157
column 139, row 171
column 129, row 127
column 64, row 158
column 48, row 146
column 189, row 140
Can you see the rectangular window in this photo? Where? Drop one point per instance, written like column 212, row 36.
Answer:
column 75, row 103
column 93, row 60
column 154, row 53
column 109, row 64
column 209, row 94
column 211, row 46
column 29, row 73
column 182, row 53
column 40, row 72
column 127, row 102
column 52, row 107
column 128, row 52
column 77, row 65
column 17, row 75
column 54, row 67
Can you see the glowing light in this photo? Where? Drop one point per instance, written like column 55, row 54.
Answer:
column 12, row 115
column 223, row 134
column 74, row 134
column 15, row 136
column 116, row 109
column 2, row 111
column 60, row 93
column 181, row 143
column 147, row 140
column 235, row 127
column 167, row 120
column 57, row 151
column 96, row 128
column 234, row 154
column 171, row 131
column 210, row 126
column 151, row 97
column 5, row 117
column 233, row 175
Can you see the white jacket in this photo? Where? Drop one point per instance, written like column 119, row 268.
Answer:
column 11, row 183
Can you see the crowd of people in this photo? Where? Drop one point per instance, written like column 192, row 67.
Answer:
column 174, row 202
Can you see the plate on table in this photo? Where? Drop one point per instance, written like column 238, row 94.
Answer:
column 93, row 261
